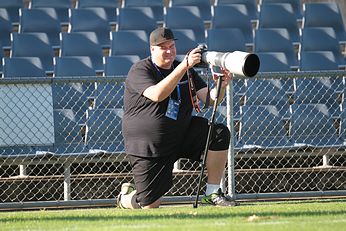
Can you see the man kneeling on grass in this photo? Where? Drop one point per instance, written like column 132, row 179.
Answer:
column 158, row 126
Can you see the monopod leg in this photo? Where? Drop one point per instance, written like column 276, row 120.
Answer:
column 210, row 130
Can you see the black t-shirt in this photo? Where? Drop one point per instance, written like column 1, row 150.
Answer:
column 147, row 131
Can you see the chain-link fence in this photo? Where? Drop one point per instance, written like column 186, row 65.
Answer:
column 61, row 142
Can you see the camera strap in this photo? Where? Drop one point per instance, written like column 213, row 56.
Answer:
column 192, row 90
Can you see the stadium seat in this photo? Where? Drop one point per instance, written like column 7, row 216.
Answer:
column 73, row 95
column 322, row 39
column 273, row 62
column 119, row 65
column 332, row 17
column 251, row 6
column 267, row 92
column 276, row 62
column 319, row 90
column 129, row 17
column 317, row 61
column 109, row 5
column 68, row 135
column 134, row 42
column 157, row 7
column 61, row 7
column 187, row 39
column 16, row 67
column 262, row 127
column 44, row 20
column 203, row 5
column 280, row 15
column 110, row 94
column 66, row 127
column 66, row 66
column 5, row 30
column 104, row 131
column 91, row 19
column 177, row 17
column 276, row 40
column 12, row 7
column 312, row 125
column 321, row 61
column 35, row 44
column 225, row 40
column 233, row 16
column 296, row 5
column 83, row 44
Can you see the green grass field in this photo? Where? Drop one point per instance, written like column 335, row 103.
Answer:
column 292, row 215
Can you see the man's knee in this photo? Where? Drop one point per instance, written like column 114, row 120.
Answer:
column 221, row 138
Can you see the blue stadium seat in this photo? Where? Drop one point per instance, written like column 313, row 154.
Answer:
column 43, row 20
column 332, row 17
column 318, row 61
column 276, row 62
column 67, row 66
column 225, row 40
column 176, row 17
column 262, row 127
column 203, row 5
column 104, row 131
column 267, row 92
column 110, row 94
column 68, row 135
column 233, row 16
column 322, row 39
column 5, row 29
column 74, row 95
column 276, row 40
column 91, row 19
column 187, row 39
column 251, row 6
column 119, row 65
column 135, row 42
column 279, row 15
column 129, row 17
column 34, row 44
column 83, row 44
column 157, row 7
column 273, row 62
column 61, row 7
column 321, row 90
column 19, row 67
column 12, row 7
column 312, row 125
column 321, row 61
column 296, row 6
column 110, row 6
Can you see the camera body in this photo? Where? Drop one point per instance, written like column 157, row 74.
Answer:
column 237, row 62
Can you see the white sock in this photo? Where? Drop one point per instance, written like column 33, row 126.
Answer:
column 211, row 188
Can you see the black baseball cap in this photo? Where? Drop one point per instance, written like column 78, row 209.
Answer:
column 161, row 35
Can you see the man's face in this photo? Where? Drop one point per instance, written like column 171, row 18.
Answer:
column 164, row 54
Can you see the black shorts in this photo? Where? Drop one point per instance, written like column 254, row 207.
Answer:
column 154, row 176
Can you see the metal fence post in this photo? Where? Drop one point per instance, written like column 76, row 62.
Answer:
column 230, row 125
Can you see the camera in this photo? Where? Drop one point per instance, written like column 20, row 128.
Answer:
column 237, row 62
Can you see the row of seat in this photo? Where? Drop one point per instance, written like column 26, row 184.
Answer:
column 310, row 125
column 319, row 50
column 157, row 5
column 224, row 16
column 261, row 127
